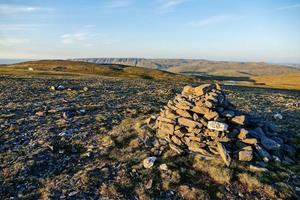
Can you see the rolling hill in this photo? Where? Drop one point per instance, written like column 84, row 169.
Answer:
column 200, row 67
column 78, row 68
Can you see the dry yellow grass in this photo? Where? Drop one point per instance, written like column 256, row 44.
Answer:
column 252, row 183
column 215, row 169
column 285, row 81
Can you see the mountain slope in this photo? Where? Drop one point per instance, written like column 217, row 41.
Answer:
column 64, row 67
column 204, row 67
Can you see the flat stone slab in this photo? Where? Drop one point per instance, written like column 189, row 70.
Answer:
column 188, row 122
column 218, row 126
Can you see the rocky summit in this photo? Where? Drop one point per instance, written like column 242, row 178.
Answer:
column 201, row 120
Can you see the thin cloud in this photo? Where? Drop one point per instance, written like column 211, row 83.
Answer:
column 169, row 5
column 90, row 26
column 18, row 27
column 13, row 41
column 16, row 9
column 87, row 39
column 73, row 38
column 211, row 20
column 295, row 6
column 90, row 45
column 119, row 3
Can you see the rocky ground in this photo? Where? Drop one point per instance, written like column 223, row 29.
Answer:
column 90, row 143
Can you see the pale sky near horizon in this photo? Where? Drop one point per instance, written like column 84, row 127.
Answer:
column 237, row 30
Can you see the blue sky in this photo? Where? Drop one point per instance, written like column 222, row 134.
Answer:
column 239, row 30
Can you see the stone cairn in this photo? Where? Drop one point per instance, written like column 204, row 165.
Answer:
column 203, row 121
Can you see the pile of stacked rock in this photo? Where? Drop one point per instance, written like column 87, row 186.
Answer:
column 203, row 121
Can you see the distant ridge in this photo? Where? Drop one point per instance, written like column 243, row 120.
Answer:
column 200, row 66
column 162, row 64
column 12, row 61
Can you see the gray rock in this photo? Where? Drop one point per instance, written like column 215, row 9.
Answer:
column 210, row 115
column 183, row 113
column 202, row 89
column 167, row 128
column 224, row 154
column 188, row 122
column 176, row 140
column 151, row 121
column 278, row 116
column 149, row 162
column 197, row 147
column 163, row 167
column 60, row 87
column 228, row 113
column 257, row 133
column 241, row 119
column 263, row 153
column 188, row 90
column 66, row 133
column 246, row 154
column 291, row 151
column 175, row 148
column 276, row 159
column 218, row 126
column 254, row 168
column 200, row 110
column 85, row 89
column 40, row 114
column 149, row 184
column 269, row 144
column 288, row 160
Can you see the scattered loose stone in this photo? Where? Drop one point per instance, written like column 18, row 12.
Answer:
column 254, row 168
column 67, row 133
column 60, row 87
column 149, row 162
column 149, row 184
column 163, row 167
column 263, row 153
column 246, row 154
column 40, row 114
column 85, row 89
column 278, row 116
